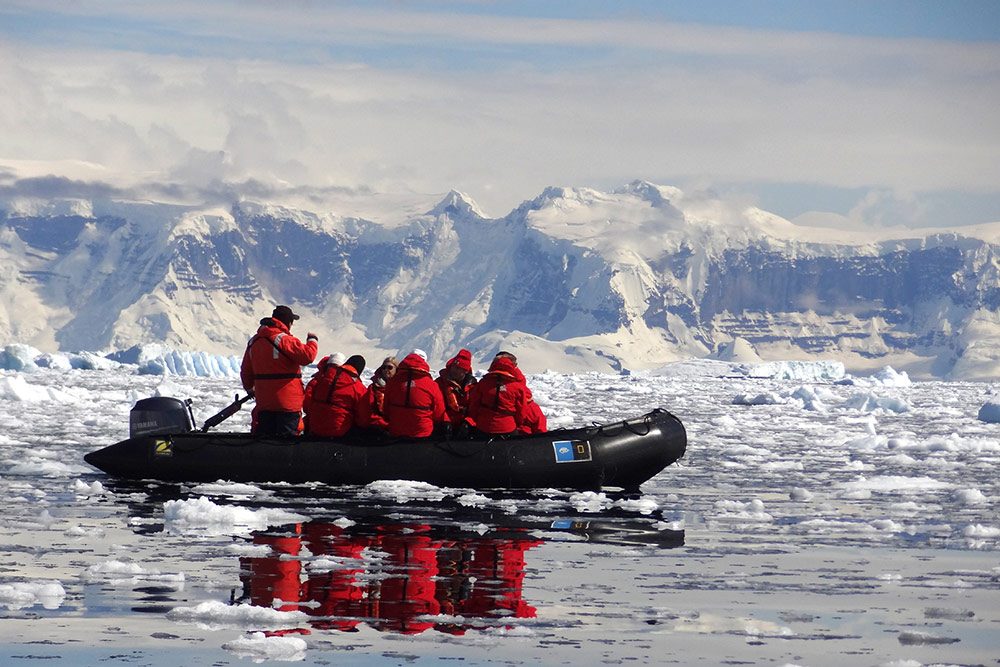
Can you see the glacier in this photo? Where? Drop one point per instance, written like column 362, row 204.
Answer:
column 575, row 279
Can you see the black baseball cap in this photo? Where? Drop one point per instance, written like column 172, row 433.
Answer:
column 284, row 314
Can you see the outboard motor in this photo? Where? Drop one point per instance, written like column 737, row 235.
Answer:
column 160, row 415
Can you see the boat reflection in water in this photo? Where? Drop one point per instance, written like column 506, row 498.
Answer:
column 404, row 578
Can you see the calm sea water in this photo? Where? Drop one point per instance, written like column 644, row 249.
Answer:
column 785, row 536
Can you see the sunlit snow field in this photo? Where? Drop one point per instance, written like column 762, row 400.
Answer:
column 823, row 524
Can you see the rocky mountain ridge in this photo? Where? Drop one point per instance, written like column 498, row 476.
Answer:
column 573, row 279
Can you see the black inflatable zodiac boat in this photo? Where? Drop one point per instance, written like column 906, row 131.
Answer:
column 164, row 445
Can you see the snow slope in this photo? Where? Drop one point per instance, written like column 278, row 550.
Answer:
column 575, row 279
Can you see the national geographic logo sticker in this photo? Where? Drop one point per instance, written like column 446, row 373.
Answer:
column 163, row 448
column 571, row 451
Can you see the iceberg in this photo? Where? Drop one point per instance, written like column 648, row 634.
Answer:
column 799, row 371
column 18, row 357
column 200, row 364
column 990, row 412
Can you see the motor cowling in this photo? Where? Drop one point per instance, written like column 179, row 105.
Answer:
column 160, row 415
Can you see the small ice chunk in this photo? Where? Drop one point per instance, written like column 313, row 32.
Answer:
column 979, row 530
column 217, row 614
column 20, row 595
column 871, row 402
column 970, row 497
column 261, row 647
column 800, row 494
column 202, row 516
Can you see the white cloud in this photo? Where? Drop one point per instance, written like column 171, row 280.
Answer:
column 656, row 100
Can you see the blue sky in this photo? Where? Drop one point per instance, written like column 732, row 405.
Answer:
column 877, row 112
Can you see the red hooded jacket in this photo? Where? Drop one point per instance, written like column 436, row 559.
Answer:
column 456, row 398
column 334, row 400
column 498, row 402
column 272, row 367
column 413, row 401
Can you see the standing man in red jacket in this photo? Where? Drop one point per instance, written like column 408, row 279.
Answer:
column 272, row 372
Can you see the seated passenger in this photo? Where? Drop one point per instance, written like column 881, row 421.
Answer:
column 376, row 394
column 456, row 381
column 413, row 402
column 498, row 402
column 335, row 398
column 534, row 418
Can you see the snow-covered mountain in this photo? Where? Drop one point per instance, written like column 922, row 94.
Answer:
column 573, row 279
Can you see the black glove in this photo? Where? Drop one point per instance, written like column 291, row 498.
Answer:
column 311, row 336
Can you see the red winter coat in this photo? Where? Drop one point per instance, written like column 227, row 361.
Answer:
column 334, row 401
column 374, row 414
column 534, row 418
column 498, row 402
column 456, row 398
column 413, row 402
column 272, row 367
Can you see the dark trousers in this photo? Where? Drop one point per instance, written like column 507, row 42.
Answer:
column 277, row 423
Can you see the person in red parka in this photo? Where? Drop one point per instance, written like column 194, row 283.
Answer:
column 335, row 398
column 498, row 402
column 272, row 372
column 455, row 381
column 375, row 414
column 413, row 401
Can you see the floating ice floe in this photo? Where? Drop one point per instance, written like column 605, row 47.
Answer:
column 807, row 398
column 473, row 500
column 45, row 463
column 215, row 614
column 21, row 595
column 800, row 494
column 232, row 489
column 979, row 530
column 971, row 497
column 249, row 550
column 81, row 488
column 887, row 376
column 765, row 398
column 893, row 484
column 871, row 402
column 127, row 572
column 16, row 388
column 201, row 516
column 734, row 510
column 260, row 647
column 403, row 491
